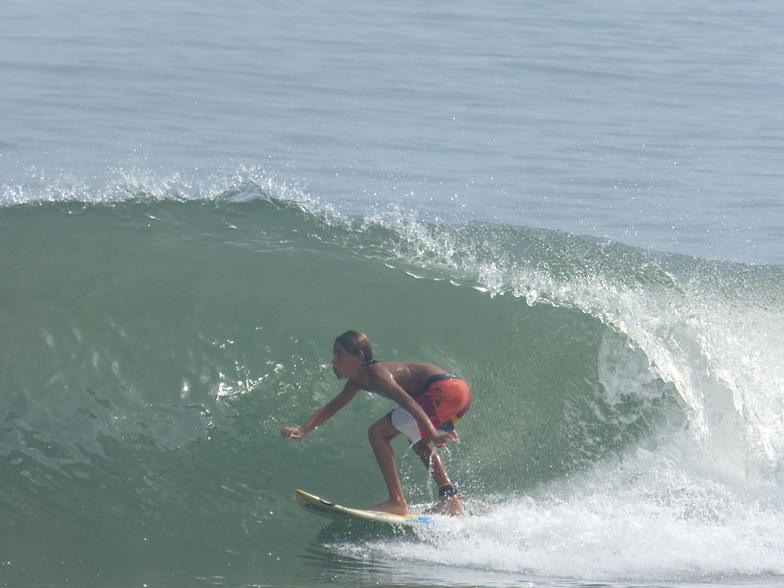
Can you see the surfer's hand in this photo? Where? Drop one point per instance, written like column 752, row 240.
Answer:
column 292, row 433
column 441, row 440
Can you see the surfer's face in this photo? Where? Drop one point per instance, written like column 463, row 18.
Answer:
column 344, row 364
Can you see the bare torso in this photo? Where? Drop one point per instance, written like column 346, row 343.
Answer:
column 411, row 377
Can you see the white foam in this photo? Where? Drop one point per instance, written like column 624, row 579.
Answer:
column 643, row 519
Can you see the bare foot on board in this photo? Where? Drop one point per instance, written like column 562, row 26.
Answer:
column 391, row 507
column 448, row 505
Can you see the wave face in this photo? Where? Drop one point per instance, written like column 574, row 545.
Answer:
column 157, row 334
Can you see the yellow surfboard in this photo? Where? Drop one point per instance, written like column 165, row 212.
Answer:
column 324, row 508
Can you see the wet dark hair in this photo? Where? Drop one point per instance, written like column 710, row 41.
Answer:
column 355, row 343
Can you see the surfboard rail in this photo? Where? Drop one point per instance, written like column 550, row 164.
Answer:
column 318, row 506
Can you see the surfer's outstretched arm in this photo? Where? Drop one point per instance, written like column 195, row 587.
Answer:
column 324, row 413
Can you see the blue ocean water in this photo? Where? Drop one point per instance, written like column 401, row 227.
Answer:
column 576, row 206
column 658, row 126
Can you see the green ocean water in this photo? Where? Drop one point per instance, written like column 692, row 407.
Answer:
column 626, row 425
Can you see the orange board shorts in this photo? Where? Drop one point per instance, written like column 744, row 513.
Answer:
column 445, row 400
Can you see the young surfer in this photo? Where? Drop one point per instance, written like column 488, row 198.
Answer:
column 430, row 404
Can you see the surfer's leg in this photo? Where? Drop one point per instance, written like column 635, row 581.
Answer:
column 447, row 503
column 381, row 434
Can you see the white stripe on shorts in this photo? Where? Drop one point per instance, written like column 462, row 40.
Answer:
column 404, row 422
